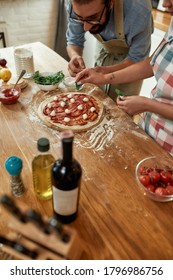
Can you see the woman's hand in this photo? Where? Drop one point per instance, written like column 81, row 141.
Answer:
column 133, row 105
column 90, row 75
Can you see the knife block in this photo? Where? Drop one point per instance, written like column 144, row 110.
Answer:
column 36, row 243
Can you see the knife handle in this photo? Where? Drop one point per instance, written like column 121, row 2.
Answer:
column 58, row 227
column 18, row 247
column 10, row 206
column 33, row 216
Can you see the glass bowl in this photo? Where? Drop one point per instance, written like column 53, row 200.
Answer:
column 9, row 96
column 69, row 83
column 154, row 176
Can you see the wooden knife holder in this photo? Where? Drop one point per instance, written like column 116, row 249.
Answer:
column 51, row 246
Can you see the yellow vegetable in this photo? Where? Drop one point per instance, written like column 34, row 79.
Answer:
column 5, row 74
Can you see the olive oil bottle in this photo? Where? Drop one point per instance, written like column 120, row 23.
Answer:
column 66, row 179
column 41, row 170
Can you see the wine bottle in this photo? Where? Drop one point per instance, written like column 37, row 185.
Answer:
column 41, row 170
column 66, row 178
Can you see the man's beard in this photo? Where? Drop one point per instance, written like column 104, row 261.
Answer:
column 98, row 28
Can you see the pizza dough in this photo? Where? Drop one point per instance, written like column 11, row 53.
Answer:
column 76, row 111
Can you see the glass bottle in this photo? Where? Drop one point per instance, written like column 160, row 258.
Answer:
column 14, row 166
column 66, row 178
column 41, row 170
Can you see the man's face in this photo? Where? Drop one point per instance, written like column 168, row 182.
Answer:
column 169, row 5
column 94, row 15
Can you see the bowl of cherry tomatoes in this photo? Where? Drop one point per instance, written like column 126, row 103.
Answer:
column 154, row 176
column 9, row 94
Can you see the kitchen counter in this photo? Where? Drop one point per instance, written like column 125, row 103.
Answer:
column 116, row 221
column 161, row 19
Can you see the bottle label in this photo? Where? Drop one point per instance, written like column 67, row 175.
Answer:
column 65, row 202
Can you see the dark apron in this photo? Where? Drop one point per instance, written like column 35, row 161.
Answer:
column 115, row 51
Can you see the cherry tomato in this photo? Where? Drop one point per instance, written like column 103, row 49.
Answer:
column 172, row 179
column 169, row 189
column 144, row 179
column 151, row 188
column 154, row 176
column 166, row 176
column 144, row 170
column 161, row 191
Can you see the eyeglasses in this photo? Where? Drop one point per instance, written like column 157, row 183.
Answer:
column 93, row 22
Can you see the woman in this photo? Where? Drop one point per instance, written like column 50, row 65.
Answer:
column 157, row 112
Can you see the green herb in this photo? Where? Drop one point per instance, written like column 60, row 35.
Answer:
column 77, row 86
column 119, row 92
column 51, row 79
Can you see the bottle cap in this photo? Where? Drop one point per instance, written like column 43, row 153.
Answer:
column 13, row 165
column 43, row 144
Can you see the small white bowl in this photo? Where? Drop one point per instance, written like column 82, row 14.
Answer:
column 47, row 87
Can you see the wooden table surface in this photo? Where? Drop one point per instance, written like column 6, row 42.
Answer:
column 161, row 19
column 115, row 221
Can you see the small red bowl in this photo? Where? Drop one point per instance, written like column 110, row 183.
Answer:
column 9, row 96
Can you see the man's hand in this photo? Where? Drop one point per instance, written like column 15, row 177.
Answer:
column 76, row 65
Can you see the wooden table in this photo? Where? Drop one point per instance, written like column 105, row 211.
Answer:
column 115, row 221
column 161, row 19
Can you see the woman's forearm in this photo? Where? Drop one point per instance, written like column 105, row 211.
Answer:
column 134, row 72
column 160, row 108
column 138, row 104
column 116, row 67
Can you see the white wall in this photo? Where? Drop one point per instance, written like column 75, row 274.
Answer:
column 89, row 49
column 29, row 21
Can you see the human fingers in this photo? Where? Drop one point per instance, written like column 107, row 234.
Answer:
column 76, row 65
column 120, row 99
column 81, row 63
column 83, row 76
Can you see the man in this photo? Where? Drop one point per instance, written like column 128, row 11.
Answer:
column 123, row 29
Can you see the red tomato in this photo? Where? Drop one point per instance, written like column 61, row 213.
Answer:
column 143, row 170
column 169, row 190
column 151, row 188
column 165, row 176
column 144, row 179
column 157, row 168
column 161, row 191
column 154, row 176
column 172, row 179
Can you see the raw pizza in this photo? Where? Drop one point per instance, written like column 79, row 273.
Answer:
column 76, row 111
